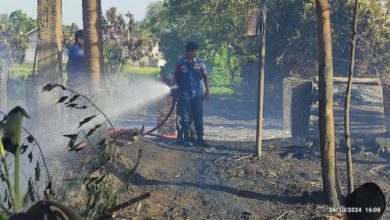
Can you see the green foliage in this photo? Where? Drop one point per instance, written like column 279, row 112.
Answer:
column 291, row 44
column 3, row 216
column 374, row 40
column 20, row 71
column 214, row 24
column 21, row 22
column 221, row 91
column 13, row 39
column 123, row 41
column 68, row 34
column 223, row 67
column 129, row 69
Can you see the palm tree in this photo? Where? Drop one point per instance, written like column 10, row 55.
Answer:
column 49, row 56
column 93, row 46
column 48, row 61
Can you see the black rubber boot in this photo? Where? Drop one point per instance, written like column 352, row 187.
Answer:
column 192, row 136
column 199, row 139
column 179, row 138
column 187, row 141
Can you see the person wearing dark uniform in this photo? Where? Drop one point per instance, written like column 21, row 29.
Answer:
column 76, row 60
column 190, row 74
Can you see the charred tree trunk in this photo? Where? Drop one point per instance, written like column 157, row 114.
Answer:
column 348, row 101
column 326, row 121
column 93, row 48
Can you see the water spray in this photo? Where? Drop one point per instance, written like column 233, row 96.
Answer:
column 173, row 92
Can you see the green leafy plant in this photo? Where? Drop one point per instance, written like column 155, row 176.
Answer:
column 101, row 141
column 11, row 143
column 100, row 197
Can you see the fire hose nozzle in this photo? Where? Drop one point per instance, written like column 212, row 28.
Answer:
column 174, row 90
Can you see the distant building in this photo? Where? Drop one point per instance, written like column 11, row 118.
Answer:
column 30, row 52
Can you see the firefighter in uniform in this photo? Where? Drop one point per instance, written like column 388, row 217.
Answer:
column 190, row 74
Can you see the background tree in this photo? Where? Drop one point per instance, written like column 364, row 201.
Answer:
column 124, row 41
column 20, row 21
column 13, row 44
column 13, row 39
column 217, row 26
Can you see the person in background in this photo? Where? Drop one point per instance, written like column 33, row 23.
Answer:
column 190, row 74
column 76, row 59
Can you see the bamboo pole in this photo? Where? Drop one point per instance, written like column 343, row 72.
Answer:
column 260, row 105
column 348, row 100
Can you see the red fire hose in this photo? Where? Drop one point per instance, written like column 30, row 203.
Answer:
column 164, row 136
column 119, row 131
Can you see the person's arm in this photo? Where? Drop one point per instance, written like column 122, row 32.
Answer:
column 206, row 85
column 175, row 77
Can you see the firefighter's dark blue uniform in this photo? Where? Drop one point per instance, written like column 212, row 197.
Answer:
column 75, row 66
column 189, row 75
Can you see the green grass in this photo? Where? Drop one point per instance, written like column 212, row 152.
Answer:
column 21, row 71
column 24, row 70
column 129, row 69
column 221, row 91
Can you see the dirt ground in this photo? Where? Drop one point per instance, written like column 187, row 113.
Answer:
column 226, row 180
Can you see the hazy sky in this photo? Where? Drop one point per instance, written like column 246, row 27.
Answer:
column 72, row 8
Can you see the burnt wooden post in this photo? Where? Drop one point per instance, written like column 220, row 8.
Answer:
column 3, row 90
column 386, row 104
column 297, row 101
column 257, row 27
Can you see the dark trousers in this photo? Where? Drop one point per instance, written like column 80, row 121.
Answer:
column 191, row 110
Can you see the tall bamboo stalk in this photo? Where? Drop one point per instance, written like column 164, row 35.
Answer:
column 348, row 100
